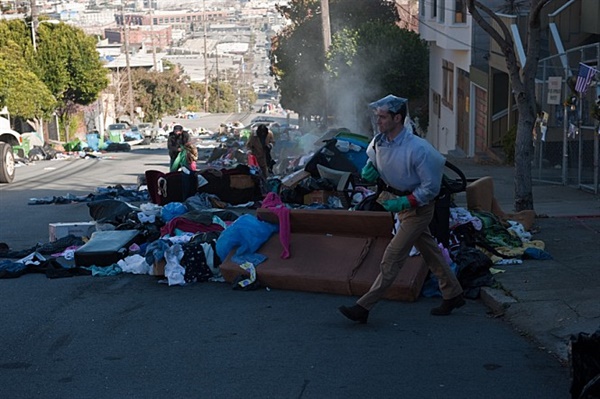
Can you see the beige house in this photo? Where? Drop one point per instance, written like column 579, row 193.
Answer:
column 471, row 105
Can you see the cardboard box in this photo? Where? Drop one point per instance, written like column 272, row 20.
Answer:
column 78, row 229
column 317, row 197
column 158, row 269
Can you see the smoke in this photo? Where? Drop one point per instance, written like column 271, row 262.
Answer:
column 350, row 95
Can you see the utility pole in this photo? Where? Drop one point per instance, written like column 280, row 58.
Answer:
column 326, row 24
column 128, row 65
column 206, row 93
column 218, row 89
column 326, row 43
column 152, row 36
column 34, row 24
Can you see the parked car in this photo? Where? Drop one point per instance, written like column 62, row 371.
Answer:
column 116, row 131
column 262, row 119
column 133, row 136
column 145, row 129
column 8, row 139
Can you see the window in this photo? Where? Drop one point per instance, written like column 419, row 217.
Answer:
column 442, row 10
column 448, row 90
column 460, row 11
column 434, row 9
column 422, row 8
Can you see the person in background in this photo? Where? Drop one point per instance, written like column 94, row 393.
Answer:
column 186, row 159
column 260, row 144
column 411, row 169
column 177, row 139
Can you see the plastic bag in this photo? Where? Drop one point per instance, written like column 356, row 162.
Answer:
column 178, row 162
column 585, row 365
column 172, row 210
column 473, row 270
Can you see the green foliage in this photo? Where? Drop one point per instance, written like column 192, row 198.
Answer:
column 64, row 73
column 298, row 57
column 21, row 90
column 70, row 65
column 376, row 60
column 222, row 97
column 159, row 94
column 508, row 145
column 298, row 63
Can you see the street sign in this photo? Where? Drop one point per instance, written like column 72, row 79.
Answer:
column 554, row 90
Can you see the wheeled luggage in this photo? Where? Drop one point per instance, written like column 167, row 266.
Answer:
column 106, row 247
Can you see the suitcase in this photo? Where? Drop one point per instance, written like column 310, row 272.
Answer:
column 164, row 188
column 105, row 247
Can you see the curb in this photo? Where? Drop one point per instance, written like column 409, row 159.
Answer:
column 496, row 300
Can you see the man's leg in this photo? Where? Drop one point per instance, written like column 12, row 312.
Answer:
column 448, row 283
column 428, row 247
column 412, row 224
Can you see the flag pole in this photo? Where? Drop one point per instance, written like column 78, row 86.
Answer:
column 580, row 139
column 565, row 133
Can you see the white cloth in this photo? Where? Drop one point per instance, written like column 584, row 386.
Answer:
column 174, row 272
column 135, row 264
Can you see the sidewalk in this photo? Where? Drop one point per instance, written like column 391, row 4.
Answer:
column 548, row 300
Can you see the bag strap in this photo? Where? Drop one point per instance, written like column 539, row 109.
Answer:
column 452, row 186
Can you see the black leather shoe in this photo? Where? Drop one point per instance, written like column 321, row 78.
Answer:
column 448, row 305
column 355, row 313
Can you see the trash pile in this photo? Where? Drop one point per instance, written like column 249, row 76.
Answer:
column 181, row 226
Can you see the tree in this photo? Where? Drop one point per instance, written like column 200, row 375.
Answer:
column 373, row 61
column 159, row 94
column 68, row 63
column 298, row 61
column 298, row 56
column 523, row 85
column 21, row 90
column 24, row 94
column 223, row 97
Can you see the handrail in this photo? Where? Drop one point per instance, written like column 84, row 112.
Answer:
column 562, row 8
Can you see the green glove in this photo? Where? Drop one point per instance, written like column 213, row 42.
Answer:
column 369, row 173
column 397, row 204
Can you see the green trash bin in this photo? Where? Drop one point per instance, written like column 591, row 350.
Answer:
column 22, row 150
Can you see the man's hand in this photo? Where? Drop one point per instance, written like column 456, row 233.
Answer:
column 399, row 204
column 369, row 173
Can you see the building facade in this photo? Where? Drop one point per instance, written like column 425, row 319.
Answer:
column 471, row 103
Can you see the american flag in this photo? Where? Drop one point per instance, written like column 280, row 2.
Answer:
column 584, row 77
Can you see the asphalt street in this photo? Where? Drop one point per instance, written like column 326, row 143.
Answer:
column 130, row 336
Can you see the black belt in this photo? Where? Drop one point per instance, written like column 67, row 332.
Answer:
column 394, row 191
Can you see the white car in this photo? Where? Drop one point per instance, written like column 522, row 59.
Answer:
column 8, row 139
column 262, row 119
column 145, row 129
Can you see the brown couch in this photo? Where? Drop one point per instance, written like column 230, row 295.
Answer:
column 332, row 251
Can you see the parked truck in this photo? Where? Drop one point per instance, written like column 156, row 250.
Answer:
column 8, row 139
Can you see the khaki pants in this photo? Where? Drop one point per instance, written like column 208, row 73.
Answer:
column 414, row 230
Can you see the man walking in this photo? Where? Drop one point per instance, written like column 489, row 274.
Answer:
column 412, row 171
